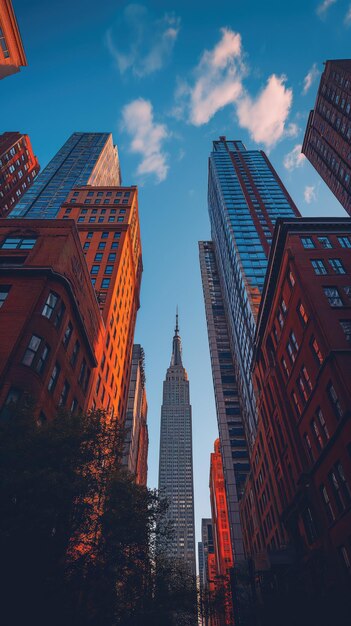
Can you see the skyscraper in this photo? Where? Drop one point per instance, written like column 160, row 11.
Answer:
column 176, row 458
column 245, row 197
column 136, row 441
column 18, row 168
column 327, row 141
column 12, row 55
column 85, row 159
column 229, row 416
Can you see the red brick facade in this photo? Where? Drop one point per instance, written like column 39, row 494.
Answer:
column 299, row 490
column 49, row 317
column 12, row 55
column 18, row 169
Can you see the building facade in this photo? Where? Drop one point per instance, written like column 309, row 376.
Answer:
column 85, row 159
column 296, row 510
column 136, row 443
column 176, row 457
column 107, row 220
column 245, row 197
column 327, row 141
column 221, row 534
column 12, row 55
column 229, row 416
column 18, row 169
column 49, row 316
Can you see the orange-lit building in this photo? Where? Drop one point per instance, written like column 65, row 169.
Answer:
column 108, row 226
column 12, row 55
column 137, row 440
column 221, row 533
column 18, row 169
column 49, row 318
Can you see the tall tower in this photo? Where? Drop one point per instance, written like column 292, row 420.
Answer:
column 245, row 197
column 327, row 141
column 18, row 169
column 176, row 457
column 85, row 159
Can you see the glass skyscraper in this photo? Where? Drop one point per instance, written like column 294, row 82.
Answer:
column 85, row 159
column 176, row 457
column 245, row 197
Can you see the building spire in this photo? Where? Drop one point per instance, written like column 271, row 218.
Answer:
column 177, row 345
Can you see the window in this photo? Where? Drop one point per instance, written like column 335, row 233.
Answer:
column 296, row 404
column 64, row 394
column 334, row 481
column 117, row 235
column 345, row 325
column 111, row 257
column 59, row 315
column 94, row 270
column 310, row 528
column 301, row 311
column 104, row 235
column 12, row 243
column 108, row 269
column 337, row 266
column 90, row 235
column 43, row 359
column 308, row 447
column 285, row 367
column 333, row 296
column 83, row 368
column 334, row 400
column 80, row 219
column 345, row 242
column 74, row 405
column 68, row 334
column 291, row 279
column 105, row 283
column 114, row 245
column 316, row 350
column 102, row 245
column 307, row 242
column 86, row 246
column 322, row 424
column 317, row 436
column 304, row 384
column 98, row 256
column 292, row 347
column 345, row 559
column 54, row 377
column 75, row 353
column 325, row 242
column 327, row 504
column 50, row 304
column 3, row 44
column 4, row 292
column 31, row 351
column 319, row 267
column 120, row 219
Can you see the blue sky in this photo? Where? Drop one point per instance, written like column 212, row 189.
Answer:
column 166, row 79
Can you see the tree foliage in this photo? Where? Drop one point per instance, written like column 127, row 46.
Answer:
column 79, row 539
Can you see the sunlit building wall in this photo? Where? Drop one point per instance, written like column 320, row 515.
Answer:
column 18, row 169
column 12, row 55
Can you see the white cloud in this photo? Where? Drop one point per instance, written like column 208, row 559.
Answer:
column 141, row 44
column 324, row 6
column 310, row 194
column 310, row 78
column 218, row 83
column 146, row 138
column 294, row 158
column 347, row 19
column 265, row 116
column 218, row 78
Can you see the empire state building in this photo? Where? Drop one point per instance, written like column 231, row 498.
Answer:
column 176, row 456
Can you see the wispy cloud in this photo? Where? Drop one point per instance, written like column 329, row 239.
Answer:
column 347, row 19
column 218, row 78
column 294, row 158
column 310, row 78
column 218, row 82
column 323, row 7
column 265, row 116
column 147, row 138
column 310, row 194
column 141, row 44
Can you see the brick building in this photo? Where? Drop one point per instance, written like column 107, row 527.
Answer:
column 108, row 226
column 221, row 533
column 327, row 141
column 12, row 55
column 51, row 316
column 296, row 510
column 18, row 169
